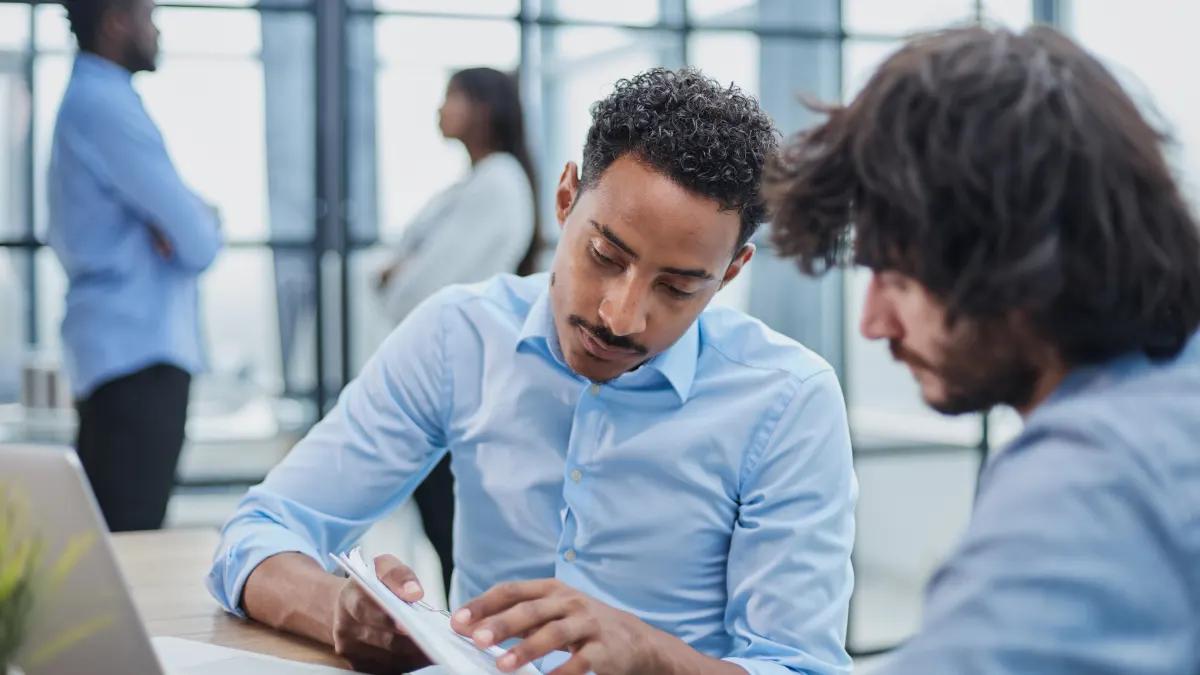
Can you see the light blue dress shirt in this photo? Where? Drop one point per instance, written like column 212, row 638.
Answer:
column 1083, row 552
column 710, row 492
column 110, row 185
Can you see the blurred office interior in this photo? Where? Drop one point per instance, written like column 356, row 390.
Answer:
column 312, row 125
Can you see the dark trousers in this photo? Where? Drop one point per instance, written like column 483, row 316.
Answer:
column 130, row 435
column 435, row 499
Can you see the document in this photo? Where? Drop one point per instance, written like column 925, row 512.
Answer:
column 428, row 627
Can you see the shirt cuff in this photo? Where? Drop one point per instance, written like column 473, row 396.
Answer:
column 235, row 561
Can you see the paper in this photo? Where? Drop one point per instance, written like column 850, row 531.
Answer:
column 428, row 627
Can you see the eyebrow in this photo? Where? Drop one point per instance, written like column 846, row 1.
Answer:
column 616, row 241
column 678, row 271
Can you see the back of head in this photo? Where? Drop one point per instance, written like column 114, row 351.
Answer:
column 498, row 95
column 1009, row 174
column 85, row 17
column 710, row 139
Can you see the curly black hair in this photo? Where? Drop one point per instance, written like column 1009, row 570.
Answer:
column 1008, row 174
column 710, row 139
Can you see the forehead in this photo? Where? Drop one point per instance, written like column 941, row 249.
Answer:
column 661, row 219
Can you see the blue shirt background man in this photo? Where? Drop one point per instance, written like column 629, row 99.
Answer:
column 133, row 240
column 1030, row 247
column 680, row 476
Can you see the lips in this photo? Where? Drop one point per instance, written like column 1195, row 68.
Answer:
column 600, row 350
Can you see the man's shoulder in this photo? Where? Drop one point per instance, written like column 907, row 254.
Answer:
column 91, row 107
column 502, row 296
column 1128, row 400
column 1130, row 422
column 735, row 339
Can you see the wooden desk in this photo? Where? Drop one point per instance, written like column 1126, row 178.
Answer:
column 166, row 571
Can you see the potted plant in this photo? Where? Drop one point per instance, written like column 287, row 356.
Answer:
column 19, row 556
column 25, row 576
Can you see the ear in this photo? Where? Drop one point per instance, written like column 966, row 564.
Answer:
column 739, row 261
column 567, row 192
column 114, row 25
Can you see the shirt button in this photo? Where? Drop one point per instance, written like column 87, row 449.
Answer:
column 576, row 475
column 569, row 556
column 595, row 389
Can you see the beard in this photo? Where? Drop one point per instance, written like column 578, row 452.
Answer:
column 982, row 364
column 140, row 59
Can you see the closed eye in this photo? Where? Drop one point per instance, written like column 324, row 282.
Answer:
column 678, row 293
column 600, row 257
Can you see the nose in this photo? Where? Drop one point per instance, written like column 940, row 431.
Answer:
column 623, row 308
column 879, row 320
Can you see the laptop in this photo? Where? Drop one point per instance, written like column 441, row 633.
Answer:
column 90, row 610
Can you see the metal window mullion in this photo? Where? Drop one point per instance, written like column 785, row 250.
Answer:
column 329, row 17
column 31, row 276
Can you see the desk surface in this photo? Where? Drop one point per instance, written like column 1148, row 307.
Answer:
column 166, row 570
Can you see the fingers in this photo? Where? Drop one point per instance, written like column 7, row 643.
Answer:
column 581, row 662
column 518, row 620
column 500, row 598
column 363, row 609
column 558, row 635
column 399, row 578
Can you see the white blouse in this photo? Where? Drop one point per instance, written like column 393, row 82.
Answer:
column 479, row 227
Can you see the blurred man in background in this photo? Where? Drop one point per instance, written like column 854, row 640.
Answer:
column 1029, row 248
column 133, row 239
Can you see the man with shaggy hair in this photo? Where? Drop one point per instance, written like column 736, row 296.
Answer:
column 1029, row 247
column 645, row 483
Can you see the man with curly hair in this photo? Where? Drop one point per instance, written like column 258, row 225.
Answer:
column 1029, row 247
column 645, row 484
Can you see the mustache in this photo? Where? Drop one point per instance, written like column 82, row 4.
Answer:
column 902, row 353
column 606, row 336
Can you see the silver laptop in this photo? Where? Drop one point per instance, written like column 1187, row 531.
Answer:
column 92, row 604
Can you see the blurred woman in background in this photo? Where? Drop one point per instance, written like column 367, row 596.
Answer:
column 483, row 225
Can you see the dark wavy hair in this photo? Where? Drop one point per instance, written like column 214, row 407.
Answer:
column 1006, row 173
column 710, row 139
column 85, row 16
column 497, row 93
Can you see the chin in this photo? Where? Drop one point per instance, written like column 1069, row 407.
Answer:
column 583, row 365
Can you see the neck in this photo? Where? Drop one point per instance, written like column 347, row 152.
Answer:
column 477, row 151
column 1051, row 376
column 108, row 53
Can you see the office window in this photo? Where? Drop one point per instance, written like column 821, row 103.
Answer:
column 776, row 15
column 14, row 264
column 625, row 12
column 14, row 120
column 1151, row 49
column 497, row 8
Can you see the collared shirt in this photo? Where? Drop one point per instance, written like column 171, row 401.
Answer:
column 1083, row 552
column 111, row 185
column 710, row 492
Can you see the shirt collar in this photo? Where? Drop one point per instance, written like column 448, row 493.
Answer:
column 99, row 66
column 677, row 364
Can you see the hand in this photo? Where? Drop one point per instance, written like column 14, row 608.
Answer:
column 552, row 616
column 365, row 635
column 161, row 244
column 386, row 274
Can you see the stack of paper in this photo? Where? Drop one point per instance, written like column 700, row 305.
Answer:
column 428, row 627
